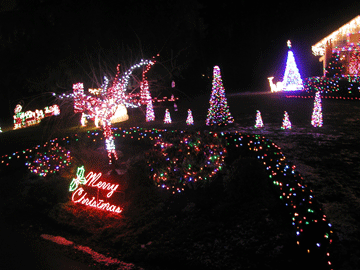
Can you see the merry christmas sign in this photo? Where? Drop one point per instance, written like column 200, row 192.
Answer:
column 95, row 191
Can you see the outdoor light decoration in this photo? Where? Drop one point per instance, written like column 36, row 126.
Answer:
column 150, row 115
column 292, row 80
column 337, row 36
column 218, row 113
column 109, row 106
column 354, row 63
column 185, row 160
column 286, row 124
column 317, row 117
column 335, row 67
column 189, row 119
column 49, row 158
column 167, row 117
column 312, row 229
column 92, row 180
column 145, row 95
column 258, row 121
column 344, row 87
column 29, row 118
column 275, row 87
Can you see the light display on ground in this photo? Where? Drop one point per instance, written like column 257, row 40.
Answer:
column 292, row 79
column 167, row 117
column 49, row 158
column 258, row 121
column 286, row 124
column 317, row 117
column 344, row 86
column 190, row 119
column 186, row 160
column 312, row 229
column 30, row 118
column 275, row 87
column 218, row 112
column 92, row 180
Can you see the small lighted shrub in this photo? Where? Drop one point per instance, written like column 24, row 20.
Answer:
column 185, row 160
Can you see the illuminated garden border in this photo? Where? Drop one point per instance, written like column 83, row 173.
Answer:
column 311, row 227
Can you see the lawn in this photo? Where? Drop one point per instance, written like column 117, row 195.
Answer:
column 236, row 221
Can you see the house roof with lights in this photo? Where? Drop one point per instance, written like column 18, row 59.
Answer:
column 346, row 35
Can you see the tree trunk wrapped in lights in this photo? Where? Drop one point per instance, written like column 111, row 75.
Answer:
column 150, row 116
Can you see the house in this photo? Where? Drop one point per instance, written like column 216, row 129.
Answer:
column 345, row 42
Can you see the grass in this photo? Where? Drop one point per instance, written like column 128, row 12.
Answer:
column 231, row 223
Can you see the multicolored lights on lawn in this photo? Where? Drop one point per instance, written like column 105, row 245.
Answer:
column 312, row 229
column 186, row 160
column 218, row 113
column 286, row 124
column 317, row 117
column 48, row 158
column 92, row 180
column 258, row 121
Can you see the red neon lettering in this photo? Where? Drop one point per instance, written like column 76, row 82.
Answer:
column 91, row 181
column 79, row 196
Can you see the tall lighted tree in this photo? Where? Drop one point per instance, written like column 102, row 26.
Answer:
column 286, row 124
column 317, row 117
column 292, row 79
column 258, row 121
column 150, row 116
column 218, row 113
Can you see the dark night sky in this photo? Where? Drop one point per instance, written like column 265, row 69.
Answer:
column 46, row 45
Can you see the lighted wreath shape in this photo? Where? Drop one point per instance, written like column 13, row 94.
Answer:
column 185, row 160
column 48, row 159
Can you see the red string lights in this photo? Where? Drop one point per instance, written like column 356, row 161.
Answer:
column 104, row 107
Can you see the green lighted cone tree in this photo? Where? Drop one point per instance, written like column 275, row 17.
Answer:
column 218, row 113
column 335, row 67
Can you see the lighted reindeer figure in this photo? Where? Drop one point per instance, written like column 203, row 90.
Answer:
column 112, row 100
column 275, row 87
